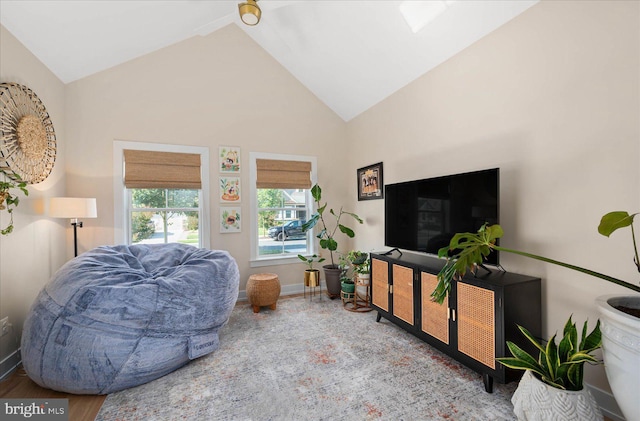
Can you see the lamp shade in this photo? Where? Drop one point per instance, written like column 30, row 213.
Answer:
column 73, row 207
column 249, row 12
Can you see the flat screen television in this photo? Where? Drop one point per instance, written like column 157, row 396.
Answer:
column 423, row 215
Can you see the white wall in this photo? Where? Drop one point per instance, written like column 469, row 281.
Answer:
column 36, row 248
column 222, row 89
column 553, row 99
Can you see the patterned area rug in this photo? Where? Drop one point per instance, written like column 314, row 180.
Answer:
column 312, row 360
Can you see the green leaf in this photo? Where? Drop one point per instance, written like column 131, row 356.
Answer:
column 316, row 193
column 347, row 230
column 310, row 223
column 614, row 220
column 594, row 340
column 356, row 217
column 332, row 244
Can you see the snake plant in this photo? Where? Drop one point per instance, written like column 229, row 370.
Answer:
column 558, row 365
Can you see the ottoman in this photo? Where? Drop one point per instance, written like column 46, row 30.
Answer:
column 263, row 289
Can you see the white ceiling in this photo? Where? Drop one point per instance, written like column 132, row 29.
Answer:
column 351, row 53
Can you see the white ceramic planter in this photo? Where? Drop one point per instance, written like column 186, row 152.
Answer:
column 534, row 400
column 621, row 351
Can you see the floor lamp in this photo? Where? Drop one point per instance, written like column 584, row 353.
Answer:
column 73, row 208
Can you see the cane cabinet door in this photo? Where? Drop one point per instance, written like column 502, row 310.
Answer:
column 476, row 323
column 403, row 293
column 380, row 284
column 435, row 317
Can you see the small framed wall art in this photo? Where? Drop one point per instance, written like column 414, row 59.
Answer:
column 229, row 159
column 229, row 189
column 229, row 219
column 370, row 183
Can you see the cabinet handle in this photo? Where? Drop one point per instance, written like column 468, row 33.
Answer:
column 453, row 312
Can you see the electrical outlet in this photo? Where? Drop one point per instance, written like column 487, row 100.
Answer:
column 4, row 326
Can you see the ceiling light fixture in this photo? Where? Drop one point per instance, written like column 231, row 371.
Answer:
column 250, row 12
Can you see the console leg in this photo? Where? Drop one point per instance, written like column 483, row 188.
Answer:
column 488, row 383
column 378, row 317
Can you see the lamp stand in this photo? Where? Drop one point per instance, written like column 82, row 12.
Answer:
column 75, row 224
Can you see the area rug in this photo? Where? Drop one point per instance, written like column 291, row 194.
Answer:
column 313, row 360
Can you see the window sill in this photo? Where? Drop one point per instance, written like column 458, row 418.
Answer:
column 274, row 261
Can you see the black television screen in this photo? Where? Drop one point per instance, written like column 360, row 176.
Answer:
column 423, row 215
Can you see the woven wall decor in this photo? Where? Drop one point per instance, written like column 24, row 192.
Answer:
column 27, row 138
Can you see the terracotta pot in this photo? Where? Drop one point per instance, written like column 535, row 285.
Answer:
column 534, row 400
column 621, row 351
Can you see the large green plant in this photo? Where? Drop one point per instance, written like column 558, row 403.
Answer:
column 559, row 365
column 9, row 200
column 328, row 232
column 472, row 248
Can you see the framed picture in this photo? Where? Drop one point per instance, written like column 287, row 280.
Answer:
column 370, row 184
column 229, row 219
column 229, row 159
column 229, row 189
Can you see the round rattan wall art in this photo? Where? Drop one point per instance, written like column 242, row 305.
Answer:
column 27, row 138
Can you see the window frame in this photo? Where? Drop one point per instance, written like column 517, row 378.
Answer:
column 254, row 259
column 121, row 195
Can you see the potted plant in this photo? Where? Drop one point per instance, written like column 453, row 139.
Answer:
column 311, row 275
column 8, row 199
column 622, row 358
column 327, row 237
column 552, row 385
column 360, row 262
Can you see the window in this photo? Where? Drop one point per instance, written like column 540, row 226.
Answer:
column 164, row 216
column 162, row 196
column 281, row 203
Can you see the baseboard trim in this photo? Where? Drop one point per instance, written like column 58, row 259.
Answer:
column 284, row 290
column 10, row 364
column 607, row 403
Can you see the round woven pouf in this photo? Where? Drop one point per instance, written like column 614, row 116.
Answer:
column 263, row 289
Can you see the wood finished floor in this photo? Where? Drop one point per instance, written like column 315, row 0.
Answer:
column 81, row 407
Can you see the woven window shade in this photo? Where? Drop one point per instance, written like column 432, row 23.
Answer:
column 277, row 174
column 167, row 170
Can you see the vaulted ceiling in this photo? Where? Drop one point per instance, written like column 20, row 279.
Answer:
column 350, row 54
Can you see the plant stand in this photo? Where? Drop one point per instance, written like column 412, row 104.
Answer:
column 312, row 290
column 360, row 298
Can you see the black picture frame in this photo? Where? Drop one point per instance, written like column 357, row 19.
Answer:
column 370, row 182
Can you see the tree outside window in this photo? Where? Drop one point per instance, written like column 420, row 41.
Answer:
column 165, row 216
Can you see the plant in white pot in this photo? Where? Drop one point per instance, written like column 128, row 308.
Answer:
column 620, row 327
column 552, row 385
column 327, row 238
column 360, row 262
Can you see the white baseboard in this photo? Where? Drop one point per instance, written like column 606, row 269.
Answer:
column 607, row 403
column 9, row 364
column 284, row 290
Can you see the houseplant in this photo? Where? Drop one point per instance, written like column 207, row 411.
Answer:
column 327, row 236
column 360, row 262
column 552, row 386
column 620, row 329
column 8, row 199
column 311, row 275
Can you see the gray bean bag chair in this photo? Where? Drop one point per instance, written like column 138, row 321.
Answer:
column 117, row 317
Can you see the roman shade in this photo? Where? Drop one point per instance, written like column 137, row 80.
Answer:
column 167, row 170
column 279, row 174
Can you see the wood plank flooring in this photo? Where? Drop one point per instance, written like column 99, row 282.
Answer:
column 81, row 407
